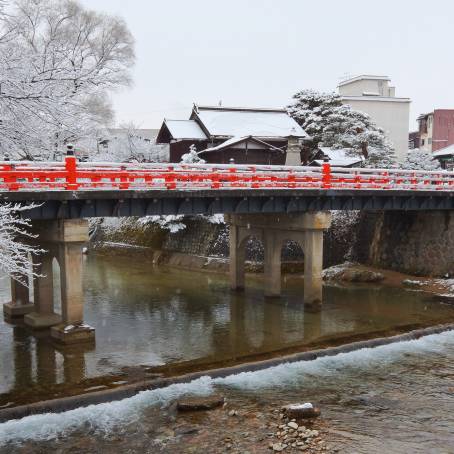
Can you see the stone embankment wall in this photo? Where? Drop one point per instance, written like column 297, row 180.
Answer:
column 200, row 238
column 418, row 243
column 413, row 242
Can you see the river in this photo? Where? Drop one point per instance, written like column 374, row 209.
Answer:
column 150, row 321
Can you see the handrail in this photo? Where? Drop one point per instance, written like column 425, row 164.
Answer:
column 73, row 175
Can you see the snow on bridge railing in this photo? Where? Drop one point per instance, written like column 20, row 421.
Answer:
column 72, row 175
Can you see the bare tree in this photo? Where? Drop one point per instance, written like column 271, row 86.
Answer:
column 14, row 254
column 58, row 64
column 131, row 143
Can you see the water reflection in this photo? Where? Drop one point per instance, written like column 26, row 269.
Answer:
column 158, row 318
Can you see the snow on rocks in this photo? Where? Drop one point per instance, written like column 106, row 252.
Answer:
column 348, row 273
column 412, row 283
column 301, row 411
column 79, row 327
column 172, row 223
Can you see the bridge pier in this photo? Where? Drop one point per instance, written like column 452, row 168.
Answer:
column 273, row 230
column 43, row 315
column 62, row 240
column 20, row 303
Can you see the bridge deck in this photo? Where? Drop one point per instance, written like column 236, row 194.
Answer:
column 108, row 203
column 75, row 190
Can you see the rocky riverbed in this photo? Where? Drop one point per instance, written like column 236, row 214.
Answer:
column 237, row 427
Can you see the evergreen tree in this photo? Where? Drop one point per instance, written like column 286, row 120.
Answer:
column 420, row 160
column 332, row 124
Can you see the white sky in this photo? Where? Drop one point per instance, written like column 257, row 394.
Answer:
column 259, row 52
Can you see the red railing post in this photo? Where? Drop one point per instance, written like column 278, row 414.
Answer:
column 170, row 178
column 124, row 184
column 291, row 179
column 71, row 173
column 232, row 179
column 215, row 180
column 11, row 179
column 326, row 175
column 255, row 181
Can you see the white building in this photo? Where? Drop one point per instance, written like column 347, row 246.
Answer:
column 374, row 96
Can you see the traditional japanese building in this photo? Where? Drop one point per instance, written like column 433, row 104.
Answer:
column 222, row 134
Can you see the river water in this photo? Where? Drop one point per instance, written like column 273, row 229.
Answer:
column 396, row 398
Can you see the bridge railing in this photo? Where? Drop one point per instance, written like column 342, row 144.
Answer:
column 72, row 175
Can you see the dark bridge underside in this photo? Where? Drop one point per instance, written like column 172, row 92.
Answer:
column 85, row 204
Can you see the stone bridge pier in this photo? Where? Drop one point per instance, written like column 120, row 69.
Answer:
column 63, row 241
column 274, row 230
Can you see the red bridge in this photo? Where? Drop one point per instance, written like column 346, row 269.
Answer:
column 274, row 204
column 71, row 189
column 71, row 175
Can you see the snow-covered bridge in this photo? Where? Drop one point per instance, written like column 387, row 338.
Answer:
column 71, row 190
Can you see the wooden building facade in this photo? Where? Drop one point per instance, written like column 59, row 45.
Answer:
column 222, row 134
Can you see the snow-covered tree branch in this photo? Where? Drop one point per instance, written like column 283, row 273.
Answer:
column 58, row 63
column 192, row 157
column 128, row 144
column 420, row 160
column 15, row 253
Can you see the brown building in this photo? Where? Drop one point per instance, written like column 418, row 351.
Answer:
column 252, row 136
column 436, row 130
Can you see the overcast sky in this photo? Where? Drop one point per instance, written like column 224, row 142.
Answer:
column 259, row 52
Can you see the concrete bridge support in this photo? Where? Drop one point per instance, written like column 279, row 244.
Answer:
column 273, row 230
column 43, row 315
column 62, row 240
column 20, row 303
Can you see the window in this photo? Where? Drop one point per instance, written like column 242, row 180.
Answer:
column 429, row 140
column 422, row 141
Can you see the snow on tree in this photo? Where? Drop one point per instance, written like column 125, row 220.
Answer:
column 333, row 124
column 417, row 159
column 15, row 254
column 311, row 110
column 58, row 64
column 128, row 144
column 192, row 157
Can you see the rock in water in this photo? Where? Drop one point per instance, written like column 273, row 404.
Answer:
column 200, row 403
column 301, row 411
column 361, row 276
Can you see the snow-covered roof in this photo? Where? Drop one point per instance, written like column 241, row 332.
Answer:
column 227, row 143
column 237, row 140
column 240, row 122
column 447, row 151
column 339, row 157
column 374, row 98
column 362, row 77
column 185, row 129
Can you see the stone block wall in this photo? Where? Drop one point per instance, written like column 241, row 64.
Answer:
column 200, row 237
column 414, row 242
column 419, row 243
